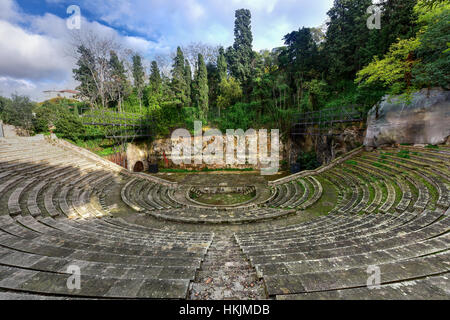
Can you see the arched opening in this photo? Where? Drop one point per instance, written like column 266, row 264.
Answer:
column 138, row 167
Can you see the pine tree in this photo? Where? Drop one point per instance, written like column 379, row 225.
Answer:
column 155, row 78
column 138, row 76
column 179, row 86
column 201, row 88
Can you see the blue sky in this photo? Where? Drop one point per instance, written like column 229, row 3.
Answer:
column 34, row 37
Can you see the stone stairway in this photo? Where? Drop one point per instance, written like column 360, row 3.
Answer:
column 226, row 274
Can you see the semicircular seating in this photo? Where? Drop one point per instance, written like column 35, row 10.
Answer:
column 389, row 211
column 392, row 215
column 53, row 200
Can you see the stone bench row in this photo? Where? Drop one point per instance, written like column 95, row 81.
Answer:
column 329, row 229
column 429, row 288
column 424, row 235
column 210, row 216
column 342, row 241
column 301, row 194
column 398, row 271
column 142, row 195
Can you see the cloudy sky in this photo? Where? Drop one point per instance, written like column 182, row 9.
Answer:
column 34, row 38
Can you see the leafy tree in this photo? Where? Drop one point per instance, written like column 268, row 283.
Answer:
column 3, row 102
column 201, row 88
column 431, row 4
column 394, row 70
column 434, row 53
column 317, row 90
column 240, row 115
column 94, row 69
column 230, row 93
column 346, row 38
column 300, row 59
column 138, row 77
column 398, row 21
column 18, row 112
column 84, row 75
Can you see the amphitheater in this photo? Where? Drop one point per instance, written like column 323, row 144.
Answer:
column 311, row 235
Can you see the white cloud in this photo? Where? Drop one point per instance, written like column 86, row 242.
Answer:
column 30, row 56
column 36, row 57
column 9, row 10
column 33, row 48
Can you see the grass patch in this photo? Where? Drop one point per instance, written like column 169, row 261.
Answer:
column 433, row 193
column 404, row 154
column 328, row 200
column 384, row 192
column 224, row 198
column 431, row 146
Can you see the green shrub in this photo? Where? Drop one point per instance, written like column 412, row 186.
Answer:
column 308, row 161
column 17, row 111
column 69, row 126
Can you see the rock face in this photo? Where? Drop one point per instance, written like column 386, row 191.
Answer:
column 327, row 147
column 424, row 120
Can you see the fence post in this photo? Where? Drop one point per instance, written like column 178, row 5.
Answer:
column 1, row 129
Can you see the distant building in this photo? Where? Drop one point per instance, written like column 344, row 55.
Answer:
column 69, row 94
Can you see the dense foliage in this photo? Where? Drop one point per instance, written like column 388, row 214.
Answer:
column 340, row 64
column 17, row 111
column 307, row 161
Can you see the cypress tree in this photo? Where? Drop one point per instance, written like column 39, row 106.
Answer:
column 155, row 78
column 221, row 65
column 241, row 54
column 119, row 78
column 188, row 79
column 179, row 86
column 138, row 76
column 201, row 88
